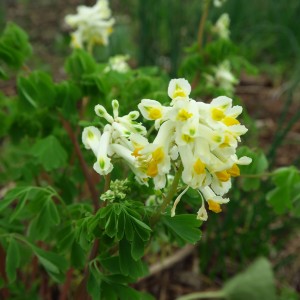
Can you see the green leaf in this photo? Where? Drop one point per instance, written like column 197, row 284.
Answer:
column 53, row 212
column 256, row 283
column 185, row 228
column 137, row 247
column 20, row 206
column 114, row 217
column 126, row 292
column 112, row 264
column 78, row 256
column 54, row 264
column 94, row 283
column 14, row 46
column 108, row 292
column 50, row 153
column 67, row 96
column 80, row 63
column 111, row 224
column 286, row 192
column 12, row 259
column 121, row 225
column 65, row 238
column 141, row 229
column 129, row 231
column 37, row 89
column 14, row 194
column 128, row 266
column 3, row 74
column 41, row 227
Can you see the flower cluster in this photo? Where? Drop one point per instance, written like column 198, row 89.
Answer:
column 116, row 141
column 221, row 27
column 94, row 25
column 222, row 77
column 198, row 139
column 118, row 63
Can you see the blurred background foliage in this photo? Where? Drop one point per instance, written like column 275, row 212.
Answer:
column 158, row 31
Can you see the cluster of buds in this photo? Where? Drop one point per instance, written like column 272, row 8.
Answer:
column 93, row 25
column 197, row 138
column 221, row 77
column 221, row 27
column 118, row 63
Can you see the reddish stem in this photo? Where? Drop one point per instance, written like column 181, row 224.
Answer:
column 84, row 167
column 66, row 287
column 4, row 292
column 81, row 292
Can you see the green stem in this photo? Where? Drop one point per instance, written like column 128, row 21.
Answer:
column 150, row 131
column 202, row 23
column 172, row 191
column 200, row 36
column 203, row 295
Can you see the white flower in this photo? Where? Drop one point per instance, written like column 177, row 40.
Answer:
column 179, row 88
column 221, row 28
column 126, row 155
column 159, row 160
column 115, row 140
column 212, row 199
column 124, row 126
column 118, row 63
column 103, row 165
column 221, row 77
column 94, row 25
column 202, row 213
column 195, row 172
column 153, row 110
column 91, row 138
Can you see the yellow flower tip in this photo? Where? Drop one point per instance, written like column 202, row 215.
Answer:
column 183, row 115
column 74, row 42
column 154, row 113
column 179, row 92
column 226, row 142
column 199, row 167
column 214, row 206
column 234, row 171
column 136, row 150
column 223, row 176
column 217, row 114
column 96, row 40
column 110, row 30
column 229, row 121
column 158, row 155
column 152, row 169
column 187, row 138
